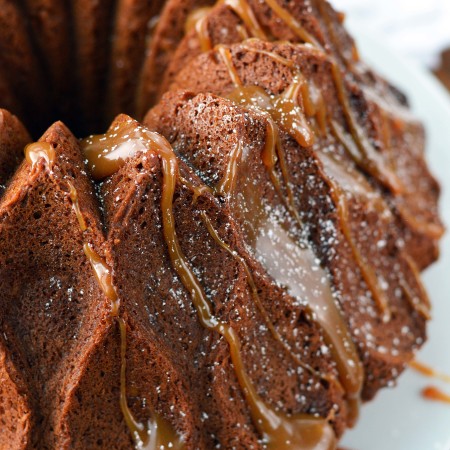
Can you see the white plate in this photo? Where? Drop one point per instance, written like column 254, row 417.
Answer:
column 400, row 419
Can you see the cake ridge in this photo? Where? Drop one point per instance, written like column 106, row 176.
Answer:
column 418, row 233
column 240, row 270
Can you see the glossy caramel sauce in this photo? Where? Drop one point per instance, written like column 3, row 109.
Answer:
column 252, row 285
column 103, row 276
column 292, row 23
column 278, row 430
column 356, row 142
column 198, row 190
column 280, row 111
column 246, row 14
column 106, row 154
column 198, row 20
column 285, row 260
column 429, row 371
column 157, row 433
column 195, row 16
column 73, row 194
column 314, row 106
column 225, row 186
column 422, row 304
column 340, row 200
column 294, row 265
column 435, row 394
column 40, row 150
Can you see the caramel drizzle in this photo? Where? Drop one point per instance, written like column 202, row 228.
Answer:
column 292, row 23
column 363, row 152
column 225, row 185
column 197, row 190
column 105, row 155
column 324, row 12
column 245, row 12
column 431, row 230
column 282, row 110
column 293, row 92
column 428, row 371
column 368, row 273
column 198, row 20
column 366, row 156
column 433, row 393
column 254, row 290
column 38, row 151
column 73, row 194
column 279, row 430
column 421, row 304
column 104, row 279
column 157, row 433
column 350, row 375
column 195, row 16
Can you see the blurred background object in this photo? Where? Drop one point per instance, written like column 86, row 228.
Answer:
column 417, row 29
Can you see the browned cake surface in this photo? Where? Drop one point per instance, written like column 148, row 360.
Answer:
column 386, row 351
column 394, row 134
column 134, row 192
column 168, row 32
column 244, row 284
column 21, row 64
column 131, row 29
column 13, row 138
column 48, row 287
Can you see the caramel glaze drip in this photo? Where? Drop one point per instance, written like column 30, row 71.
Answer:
column 278, row 430
column 361, row 150
column 432, row 230
column 368, row 273
column 251, row 283
column 428, row 371
column 421, row 304
column 73, row 194
column 106, row 154
column 324, row 11
column 292, row 23
column 198, row 20
column 246, row 14
column 433, row 393
column 194, row 17
column 40, row 150
column 254, row 97
column 313, row 106
column 280, row 111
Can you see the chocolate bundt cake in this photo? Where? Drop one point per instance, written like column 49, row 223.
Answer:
column 241, row 269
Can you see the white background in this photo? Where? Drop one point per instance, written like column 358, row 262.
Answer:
column 418, row 29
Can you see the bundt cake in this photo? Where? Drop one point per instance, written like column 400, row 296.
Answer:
column 238, row 270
